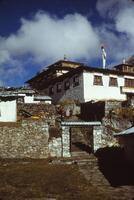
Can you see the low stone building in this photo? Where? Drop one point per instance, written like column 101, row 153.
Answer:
column 42, row 99
column 8, row 108
column 26, row 95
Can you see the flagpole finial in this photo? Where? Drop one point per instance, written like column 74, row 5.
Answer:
column 124, row 61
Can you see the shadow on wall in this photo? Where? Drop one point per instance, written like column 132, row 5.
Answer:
column 82, row 147
column 93, row 111
column 114, row 166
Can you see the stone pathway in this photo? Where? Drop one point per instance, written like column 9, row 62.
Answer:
column 88, row 166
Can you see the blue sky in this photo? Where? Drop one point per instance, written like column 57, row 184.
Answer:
column 35, row 33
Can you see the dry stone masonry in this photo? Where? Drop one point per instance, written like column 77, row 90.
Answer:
column 27, row 139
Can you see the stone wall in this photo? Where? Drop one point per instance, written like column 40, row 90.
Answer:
column 28, row 139
column 108, row 112
column 111, row 105
column 55, row 147
column 114, row 121
column 47, row 112
column 34, row 108
column 73, row 93
column 32, row 138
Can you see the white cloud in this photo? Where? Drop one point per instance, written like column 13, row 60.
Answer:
column 118, row 29
column 110, row 8
column 125, row 22
column 47, row 37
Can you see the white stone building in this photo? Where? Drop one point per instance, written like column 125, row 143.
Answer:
column 26, row 95
column 42, row 99
column 8, row 108
column 84, row 83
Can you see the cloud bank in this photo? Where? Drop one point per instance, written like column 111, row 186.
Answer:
column 45, row 38
column 117, row 29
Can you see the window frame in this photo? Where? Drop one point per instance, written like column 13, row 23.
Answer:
column 67, row 85
column 59, row 87
column 113, row 81
column 98, row 80
column 76, row 81
column 129, row 82
column 51, row 90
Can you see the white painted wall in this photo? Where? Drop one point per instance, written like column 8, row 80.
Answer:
column 44, row 101
column 87, row 91
column 8, row 111
column 47, row 102
column 104, row 92
column 29, row 99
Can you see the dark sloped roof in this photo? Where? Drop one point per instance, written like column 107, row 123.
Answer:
column 64, row 61
column 120, row 65
column 51, row 68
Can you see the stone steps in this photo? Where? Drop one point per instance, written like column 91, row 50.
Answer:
column 81, row 154
column 93, row 175
column 88, row 166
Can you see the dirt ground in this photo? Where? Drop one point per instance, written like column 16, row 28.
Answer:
column 42, row 180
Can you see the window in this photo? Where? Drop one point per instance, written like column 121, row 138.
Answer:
column 98, row 80
column 59, row 87
column 66, row 85
column 51, row 91
column 113, row 81
column 75, row 81
column 129, row 82
column 128, row 69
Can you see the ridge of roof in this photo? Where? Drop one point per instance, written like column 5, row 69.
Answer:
column 83, row 67
column 50, row 67
column 67, row 61
column 79, row 70
column 107, row 70
column 124, row 64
